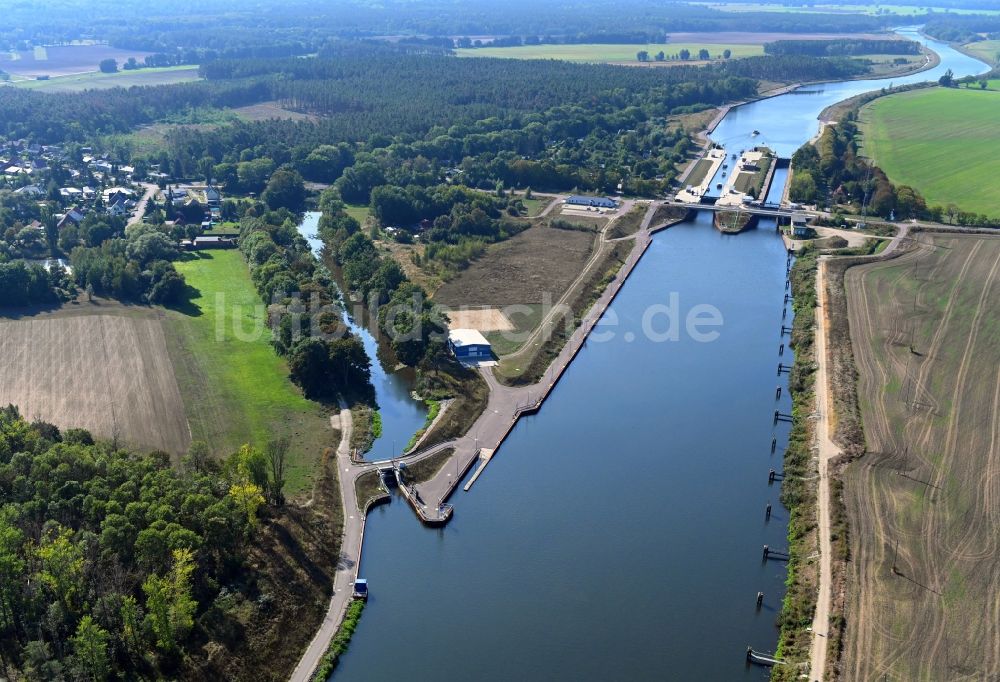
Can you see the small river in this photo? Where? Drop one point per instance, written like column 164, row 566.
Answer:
column 402, row 416
column 617, row 534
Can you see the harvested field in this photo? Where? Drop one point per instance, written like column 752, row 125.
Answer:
column 483, row 319
column 109, row 373
column 530, row 268
column 926, row 339
column 62, row 60
column 123, row 79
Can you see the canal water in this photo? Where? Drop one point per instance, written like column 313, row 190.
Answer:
column 402, row 416
column 617, row 534
column 786, row 122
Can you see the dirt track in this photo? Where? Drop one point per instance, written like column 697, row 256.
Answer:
column 931, row 479
column 108, row 373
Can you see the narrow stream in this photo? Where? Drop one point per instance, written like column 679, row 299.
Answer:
column 402, row 416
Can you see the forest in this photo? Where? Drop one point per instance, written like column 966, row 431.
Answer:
column 110, row 561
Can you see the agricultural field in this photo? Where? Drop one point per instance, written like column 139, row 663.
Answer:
column 96, row 80
column 986, row 50
column 923, row 581
column 613, row 53
column 62, row 60
column 919, row 138
column 901, row 10
column 236, row 389
column 98, row 366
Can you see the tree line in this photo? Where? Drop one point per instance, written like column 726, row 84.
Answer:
column 306, row 320
column 841, row 47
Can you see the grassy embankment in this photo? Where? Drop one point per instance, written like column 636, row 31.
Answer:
column 368, row 487
column 919, row 139
column 613, row 52
column 235, row 387
column 797, row 493
column 340, row 642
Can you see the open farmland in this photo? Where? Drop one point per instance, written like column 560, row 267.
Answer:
column 612, row 52
column 62, row 60
column 942, row 141
column 236, row 389
column 926, row 496
column 99, row 367
column 986, row 50
column 96, row 80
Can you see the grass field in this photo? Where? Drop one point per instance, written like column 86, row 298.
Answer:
column 987, row 50
column 102, row 367
column 609, row 53
column 359, row 212
column 942, row 141
column 122, row 79
column 930, row 480
column 235, row 388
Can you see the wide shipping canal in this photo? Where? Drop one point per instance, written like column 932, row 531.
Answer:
column 618, row 533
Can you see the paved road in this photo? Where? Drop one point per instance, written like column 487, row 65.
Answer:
column 140, row 208
column 350, row 556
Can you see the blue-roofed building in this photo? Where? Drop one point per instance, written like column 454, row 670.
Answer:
column 595, row 202
column 469, row 344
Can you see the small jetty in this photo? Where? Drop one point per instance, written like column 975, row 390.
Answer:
column 761, row 658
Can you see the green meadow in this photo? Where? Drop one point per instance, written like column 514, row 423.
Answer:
column 235, row 387
column 945, row 142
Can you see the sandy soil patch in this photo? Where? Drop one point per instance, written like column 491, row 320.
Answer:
column 483, row 319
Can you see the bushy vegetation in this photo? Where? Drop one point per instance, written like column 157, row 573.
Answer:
column 22, row 284
column 796, row 493
column 109, row 560
column 136, row 267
